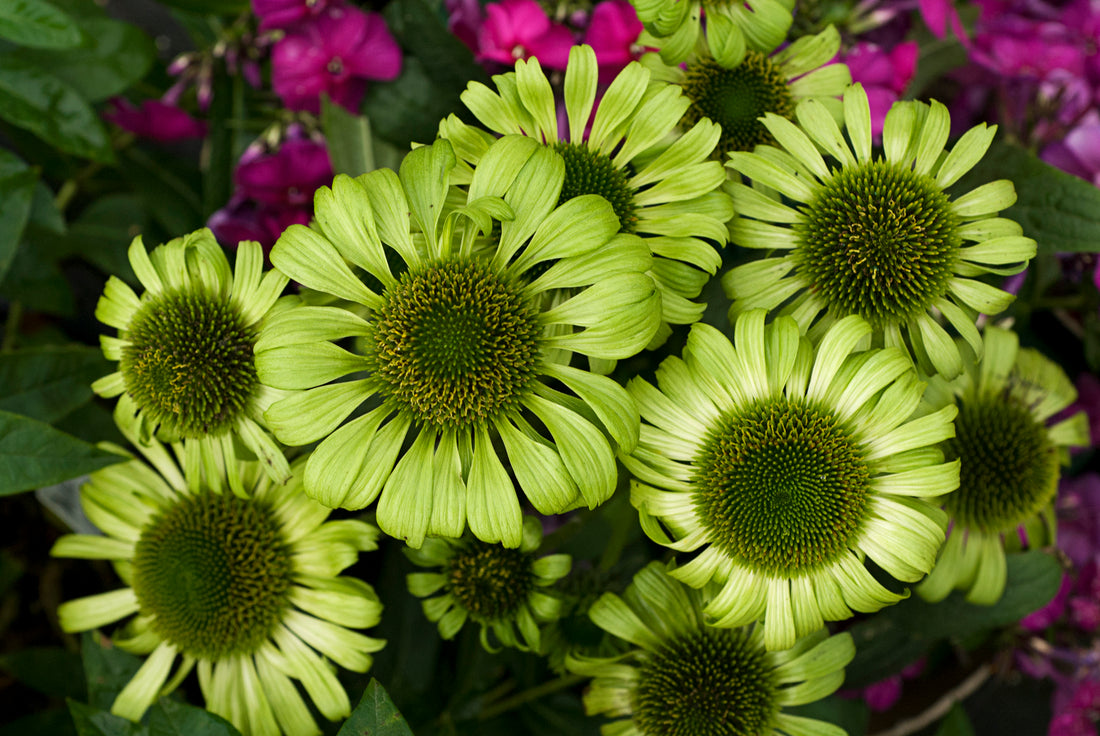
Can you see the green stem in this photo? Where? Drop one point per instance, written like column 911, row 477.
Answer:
column 527, row 696
column 11, row 326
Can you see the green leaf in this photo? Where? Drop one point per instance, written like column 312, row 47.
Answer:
column 36, row 281
column 50, row 670
column 37, row 23
column 900, row 634
column 107, row 669
column 376, row 715
column 102, row 233
column 227, row 110
column 34, row 454
column 208, row 7
column 955, row 723
column 48, row 383
column 34, row 99
column 168, row 188
column 170, row 718
column 16, row 196
column 348, row 138
column 112, row 57
column 49, row 722
column 11, row 570
column 96, row 722
column 1060, row 211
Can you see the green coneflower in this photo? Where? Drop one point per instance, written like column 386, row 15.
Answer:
column 244, row 589
column 763, row 82
column 684, row 678
column 783, row 467
column 732, row 26
column 501, row 589
column 663, row 189
column 1010, row 463
column 461, row 348
column 185, row 348
column 875, row 237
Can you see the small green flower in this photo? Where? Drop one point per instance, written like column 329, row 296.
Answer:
column 244, row 589
column 875, row 237
column 1010, row 463
column 732, row 26
column 763, row 82
column 784, row 466
column 465, row 352
column 185, row 348
column 499, row 588
column 684, row 678
column 660, row 184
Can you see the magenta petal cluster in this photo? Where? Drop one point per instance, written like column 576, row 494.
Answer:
column 286, row 177
column 612, row 32
column 520, row 29
column 884, row 74
column 1078, row 153
column 285, row 13
column 334, row 53
column 155, row 119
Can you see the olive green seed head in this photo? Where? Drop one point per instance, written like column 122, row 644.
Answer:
column 591, row 172
column 490, row 581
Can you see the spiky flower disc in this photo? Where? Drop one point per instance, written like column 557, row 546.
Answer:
column 465, row 353
column 185, row 347
column 684, row 678
column 1010, row 456
column 732, row 26
column 877, row 237
column 501, row 589
column 661, row 188
column 245, row 589
column 783, row 466
column 768, row 81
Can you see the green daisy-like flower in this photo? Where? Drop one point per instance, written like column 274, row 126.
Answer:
column 460, row 350
column 244, row 589
column 662, row 187
column 684, row 678
column 1010, row 463
column 732, row 26
column 783, row 467
column 499, row 588
column 736, row 98
column 875, row 237
column 185, row 348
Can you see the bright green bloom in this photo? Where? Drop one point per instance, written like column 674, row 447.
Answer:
column 736, row 98
column 460, row 348
column 731, row 26
column 502, row 589
column 784, row 466
column 661, row 184
column 684, row 678
column 244, row 589
column 875, row 237
column 1011, row 458
column 184, row 348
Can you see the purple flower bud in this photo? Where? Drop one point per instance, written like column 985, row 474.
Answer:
column 155, row 119
column 286, row 177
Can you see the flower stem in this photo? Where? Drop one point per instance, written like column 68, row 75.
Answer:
column 943, row 704
column 526, row 696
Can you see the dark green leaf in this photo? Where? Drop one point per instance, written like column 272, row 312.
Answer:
column 168, row 188
column 96, row 722
column 48, row 383
column 11, row 570
column 226, row 108
column 102, row 233
column 36, row 281
column 107, row 669
column 169, row 718
column 955, row 723
column 851, row 715
column 37, row 23
column 1060, row 211
column 900, row 634
column 50, row 670
column 34, row 99
column 111, row 58
column 348, row 138
column 50, row 722
column 16, row 195
column 376, row 715
column 204, row 7
column 34, row 454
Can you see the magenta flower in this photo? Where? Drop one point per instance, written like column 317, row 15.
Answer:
column 155, row 119
column 335, row 53
column 1078, row 153
column 287, row 176
column 612, row 33
column 938, row 15
column 285, row 13
column 245, row 219
column 883, row 74
column 464, row 18
column 520, row 29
